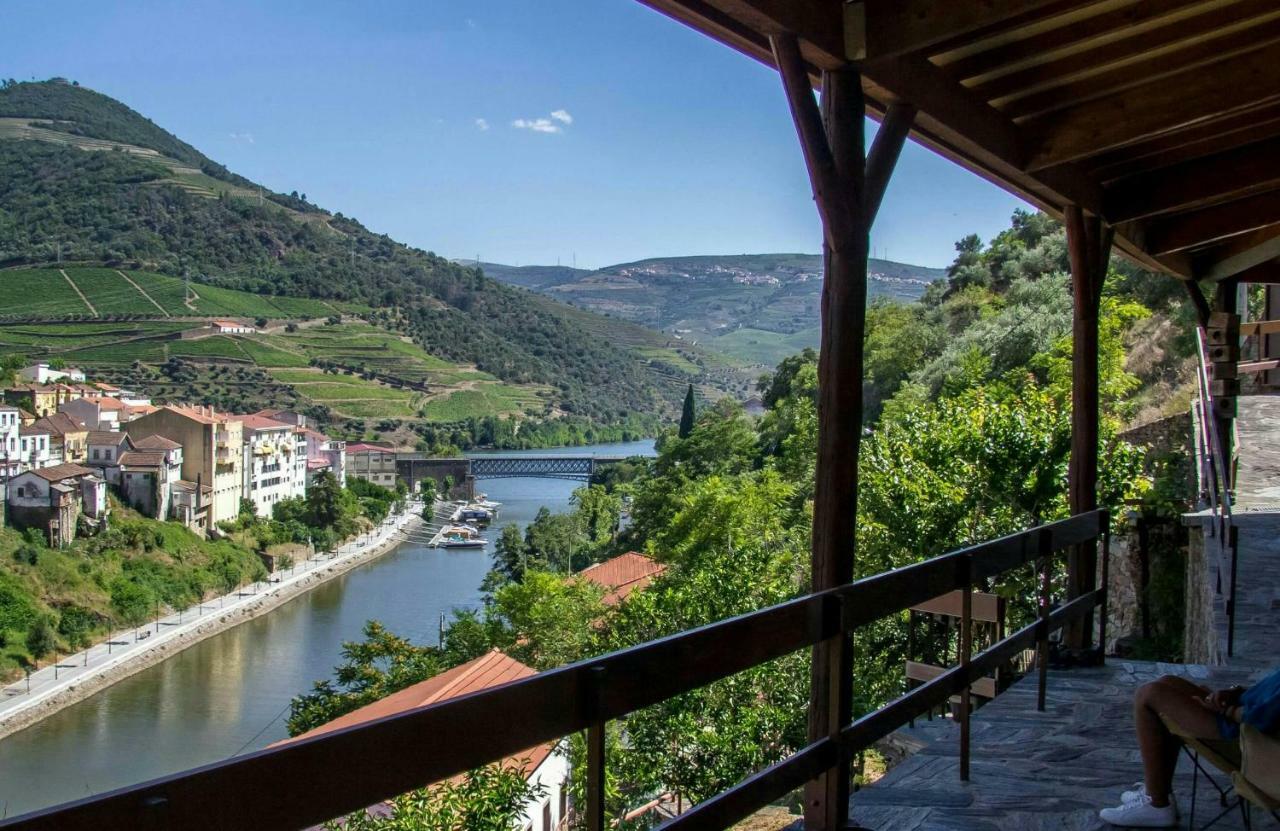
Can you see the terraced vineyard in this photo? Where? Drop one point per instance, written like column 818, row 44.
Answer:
column 52, row 292
column 282, row 360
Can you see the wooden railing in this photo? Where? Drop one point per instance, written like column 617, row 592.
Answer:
column 1214, row 473
column 315, row 779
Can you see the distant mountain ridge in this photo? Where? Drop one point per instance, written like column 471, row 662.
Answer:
column 86, row 179
column 757, row 307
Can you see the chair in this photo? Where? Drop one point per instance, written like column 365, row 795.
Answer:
column 1223, row 754
column 1258, row 779
column 987, row 612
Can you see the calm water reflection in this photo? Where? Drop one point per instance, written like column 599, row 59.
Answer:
column 229, row 694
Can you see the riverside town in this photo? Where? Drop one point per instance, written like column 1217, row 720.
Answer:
column 620, row 416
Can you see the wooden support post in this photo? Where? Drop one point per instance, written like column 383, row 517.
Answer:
column 1198, row 301
column 1089, row 246
column 834, row 148
column 1224, row 347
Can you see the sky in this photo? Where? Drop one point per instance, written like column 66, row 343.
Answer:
column 575, row 131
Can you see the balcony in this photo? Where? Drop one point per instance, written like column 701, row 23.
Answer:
column 299, row 785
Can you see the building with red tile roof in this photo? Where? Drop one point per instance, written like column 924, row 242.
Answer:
column 622, row 575
column 542, row 764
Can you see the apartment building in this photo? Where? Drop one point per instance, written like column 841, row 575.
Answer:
column 10, row 454
column 373, row 462
column 274, row 466
column 212, row 451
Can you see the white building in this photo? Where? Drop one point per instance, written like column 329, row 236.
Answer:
column 103, row 449
column 96, row 412
column 232, row 327
column 35, row 448
column 275, row 462
column 148, row 475
column 10, row 453
column 323, row 453
column 42, row 374
column 53, row 499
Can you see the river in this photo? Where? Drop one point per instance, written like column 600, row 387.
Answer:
column 229, row 694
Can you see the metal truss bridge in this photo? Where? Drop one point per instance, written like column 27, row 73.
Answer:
column 573, row 468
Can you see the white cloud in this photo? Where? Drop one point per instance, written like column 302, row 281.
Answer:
column 562, row 116
column 245, row 138
column 482, row 124
column 537, row 125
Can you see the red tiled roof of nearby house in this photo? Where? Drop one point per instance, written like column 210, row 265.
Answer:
column 140, row 409
column 489, row 670
column 190, row 487
column 57, row 473
column 361, row 447
column 204, row 415
column 258, row 422
column 106, row 387
column 33, row 430
column 231, row 323
column 142, row 458
column 622, row 575
column 59, row 424
column 104, row 403
column 109, row 437
column 156, row 443
column 23, row 414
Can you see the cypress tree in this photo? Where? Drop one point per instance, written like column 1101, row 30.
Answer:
column 686, row 417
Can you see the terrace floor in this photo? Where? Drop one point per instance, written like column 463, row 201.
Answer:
column 1054, row 770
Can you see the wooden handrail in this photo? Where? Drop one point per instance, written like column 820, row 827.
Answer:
column 312, row 780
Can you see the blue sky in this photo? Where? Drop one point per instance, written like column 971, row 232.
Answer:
column 613, row 133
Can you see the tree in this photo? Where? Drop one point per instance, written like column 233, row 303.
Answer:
column 687, row 415
column 372, row 668
column 42, row 638
column 491, row 798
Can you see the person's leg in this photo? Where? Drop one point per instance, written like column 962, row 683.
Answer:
column 1176, row 699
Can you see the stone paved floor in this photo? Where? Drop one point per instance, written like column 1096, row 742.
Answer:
column 1258, row 451
column 1053, row 770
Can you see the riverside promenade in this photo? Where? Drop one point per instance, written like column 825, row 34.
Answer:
column 77, row 676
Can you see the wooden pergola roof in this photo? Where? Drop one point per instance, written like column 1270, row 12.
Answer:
column 1160, row 116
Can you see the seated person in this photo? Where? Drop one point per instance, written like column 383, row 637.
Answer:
column 1199, row 712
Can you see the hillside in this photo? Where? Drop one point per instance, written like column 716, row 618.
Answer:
column 86, row 180
column 758, row 308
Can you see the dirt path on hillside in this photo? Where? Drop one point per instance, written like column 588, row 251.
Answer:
column 73, row 285
column 141, row 291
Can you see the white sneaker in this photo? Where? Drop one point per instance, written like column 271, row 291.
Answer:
column 1140, row 814
column 1139, row 793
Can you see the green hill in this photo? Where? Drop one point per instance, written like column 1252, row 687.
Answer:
column 86, row 180
column 758, row 308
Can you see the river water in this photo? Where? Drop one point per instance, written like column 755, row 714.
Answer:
column 229, row 694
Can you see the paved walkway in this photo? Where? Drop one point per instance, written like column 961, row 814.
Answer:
column 1053, row 770
column 129, row 644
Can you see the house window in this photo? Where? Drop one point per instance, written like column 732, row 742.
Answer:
column 97, row 454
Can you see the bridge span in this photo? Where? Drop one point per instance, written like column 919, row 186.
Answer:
column 462, row 473
column 575, row 468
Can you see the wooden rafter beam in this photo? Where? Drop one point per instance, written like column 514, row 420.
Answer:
column 1206, row 226
column 748, row 24
column 1165, row 106
column 1095, row 80
column 878, row 29
column 1037, row 48
column 1239, row 255
column 1184, row 30
column 1187, row 145
column 1194, row 184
